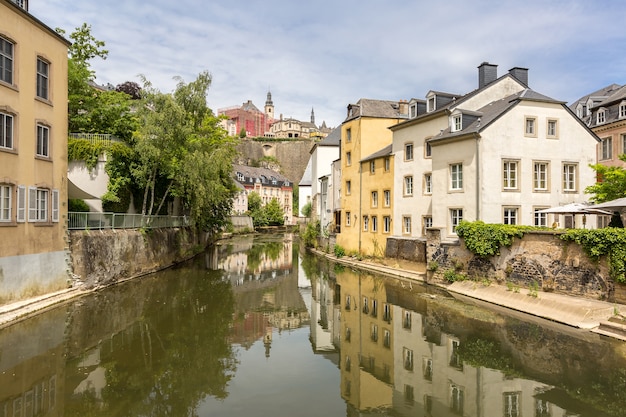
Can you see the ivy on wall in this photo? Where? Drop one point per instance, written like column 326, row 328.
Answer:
column 609, row 242
column 486, row 239
column 84, row 150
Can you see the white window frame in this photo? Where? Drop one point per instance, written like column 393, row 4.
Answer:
column 373, row 167
column 366, row 222
column 406, row 225
column 606, row 148
column 530, row 126
column 428, row 149
column 601, row 116
column 413, row 111
column 348, row 158
column 43, row 79
column 541, row 171
column 431, row 103
column 387, row 164
column 348, row 220
column 552, row 128
column 540, row 219
column 510, row 175
column 386, row 224
column 408, row 185
column 428, row 183
column 387, row 198
column 456, row 216
column 374, row 224
column 7, row 53
column 569, row 177
column 374, row 198
column 7, row 122
column 38, row 203
column 427, row 221
column 510, row 215
column 408, row 151
column 457, row 123
column 622, row 110
column 348, row 187
column 6, row 203
column 456, row 177
column 623, row 136
column 43, row 141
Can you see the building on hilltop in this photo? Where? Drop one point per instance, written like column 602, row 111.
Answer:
column 604, row 111
column 33, row 154
column 268, row 185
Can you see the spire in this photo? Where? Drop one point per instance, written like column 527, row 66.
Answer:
column 268, row 102
column 312, row 116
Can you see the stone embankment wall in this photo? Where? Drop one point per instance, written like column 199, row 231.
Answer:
column 242, row 223
column 293, row 155
column 540, row 259
column 103, row 257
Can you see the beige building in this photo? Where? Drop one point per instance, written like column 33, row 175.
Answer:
column 33, row 154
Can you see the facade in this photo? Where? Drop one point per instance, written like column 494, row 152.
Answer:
column 290, row 128
column 604, row 111
column 33, row 154
column 268, row 185
column 249, row 118
column 304, row 189
column 499, row 154
column 322, row 155
column 364, row 132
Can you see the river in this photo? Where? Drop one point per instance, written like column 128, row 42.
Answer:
column 257, row 327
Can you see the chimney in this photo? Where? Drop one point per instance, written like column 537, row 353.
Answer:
column 520, row 74
column 487, row 73
column 403, row 107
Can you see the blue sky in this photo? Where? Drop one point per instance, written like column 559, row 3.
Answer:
column 326, row 54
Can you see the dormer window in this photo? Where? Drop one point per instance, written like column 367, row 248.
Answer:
column 601, row 116
column 622, row 110
column 240, row 177
column 457, row 122
column 430, row 103
column 579, row 111
column 413, row 111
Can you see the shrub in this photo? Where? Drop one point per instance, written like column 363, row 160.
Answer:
column 485, row 239
column 75, row 204
column 339, row 251
column 609, row 242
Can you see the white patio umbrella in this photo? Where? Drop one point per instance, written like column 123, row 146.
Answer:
column 617, row 205
column 575, row 208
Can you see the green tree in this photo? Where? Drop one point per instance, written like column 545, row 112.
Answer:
column 307, row 209
column 274, row 213
column 612, row 184
column 256, row 211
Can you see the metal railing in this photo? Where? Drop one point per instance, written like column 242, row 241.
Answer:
column 96, row 138
column 99, row 221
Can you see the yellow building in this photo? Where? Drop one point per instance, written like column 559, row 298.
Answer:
column 33, row 154
column 364, row 133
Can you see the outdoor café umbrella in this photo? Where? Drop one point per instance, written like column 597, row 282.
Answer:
column 573, row 209
column 616, row 205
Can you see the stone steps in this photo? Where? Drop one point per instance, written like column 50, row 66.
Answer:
column 615, row 329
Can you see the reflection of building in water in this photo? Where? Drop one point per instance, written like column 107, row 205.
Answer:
column 323, row 315
column 366, row 342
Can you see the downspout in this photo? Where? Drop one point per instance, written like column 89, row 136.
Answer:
column 477, row 137
column 360, row 202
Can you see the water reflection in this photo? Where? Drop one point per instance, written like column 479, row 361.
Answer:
column 256, row 327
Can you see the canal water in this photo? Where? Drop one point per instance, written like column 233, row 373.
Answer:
column 257, row 327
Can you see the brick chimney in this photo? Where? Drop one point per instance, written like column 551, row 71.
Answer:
column 487, row 73
column 403, row 107
column 520, row 74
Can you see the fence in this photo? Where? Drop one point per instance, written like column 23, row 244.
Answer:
column 98, row 221
column 96, row 138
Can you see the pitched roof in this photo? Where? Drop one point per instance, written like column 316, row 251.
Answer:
column 307, row 177
column 257, row 172
column 383, row 152
column 333, row 138
column 603, row 92
column 376, row 108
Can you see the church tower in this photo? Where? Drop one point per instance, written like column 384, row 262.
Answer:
column 312, row 117
column 269, row 106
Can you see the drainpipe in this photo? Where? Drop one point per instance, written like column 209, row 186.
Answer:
column 360, row 202
column 477, row 137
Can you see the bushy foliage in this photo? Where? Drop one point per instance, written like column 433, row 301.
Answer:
column 612, row 185
column 310, row 234
column 484, row 239
column 84, row 150
column 609, row 242
column 339, row 251
column 307, row 209
column 77, row 205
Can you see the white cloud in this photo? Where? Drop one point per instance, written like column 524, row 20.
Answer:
column 327, row 54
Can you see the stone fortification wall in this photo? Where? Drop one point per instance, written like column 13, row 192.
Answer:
column 103, row 257
column 539, row 258
column 293, row 155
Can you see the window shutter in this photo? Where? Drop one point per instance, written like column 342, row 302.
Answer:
column 55, row 206
column 32, row 204
column 21, row 204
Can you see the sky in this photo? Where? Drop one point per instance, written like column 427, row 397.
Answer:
column 324, row 55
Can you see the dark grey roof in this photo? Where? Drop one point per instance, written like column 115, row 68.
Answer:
column 376, row 108
column 386, row 151
column 603, row 92
column 333, row 138
column 257, row 172
column 617, row 96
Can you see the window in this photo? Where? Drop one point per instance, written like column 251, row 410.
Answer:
column 540, row 176
column 509, row 175
column 456, row 215
column 366, row 222
column 406, row 225
column 511, row 404
column 622, row 110
column 456, row 399
column 348, row 187
column 428, row 152
column 457, row 122
column 366, row 308
column 553, row 131
column 42, row 78
column 607, row 148
column 6, row 131
column 542, row 408
column 408, row 151
column 409, row 394
column 375, row 308
column 374, row 198
column 530, row 128
column 541, row 219
column 348, row 135
column 386, row 338
column 407, row 356
column 601, row 116
column 387, row 312
column 372, row 167
column 386, row 224
column 413, row 111
column 569, row 177
column 430, row 104
column 427, row 369
column 623, row 142
column 408, row 185
column 347, row 218
column 348, row 158
column 6, row 61
column 374, row 224
column 43, row 140
column 38, row 204
column 456, row 177
column 374, row 332
column 387, row 198
column 406, row 319
column 348, row 301
column 6, row 192
column 348, row 362
column 427, row 221
column 510, row 215
column 387, row 164
column 428, row 183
